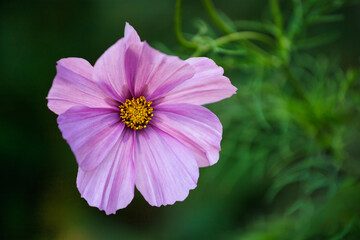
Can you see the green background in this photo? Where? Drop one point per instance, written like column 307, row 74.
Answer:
column 252, row 193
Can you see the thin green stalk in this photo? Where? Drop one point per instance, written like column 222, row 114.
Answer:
column 275, row 9
column 209, row 6
column 177, row 27
column 283, row 42
column 236, row 36
column 284, row 50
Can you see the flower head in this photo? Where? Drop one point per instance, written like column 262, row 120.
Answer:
column 135, row 119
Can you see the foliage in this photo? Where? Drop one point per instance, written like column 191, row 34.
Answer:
column 293, row 126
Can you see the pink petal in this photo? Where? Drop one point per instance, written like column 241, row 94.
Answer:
column 110, row 69
column 110, row 186
column 152, row 73
column 131, row 68
column 109, row 72
column 131, row 34
column 91, row 133
column 194, row 126
column 73, row 85
column 206, row 86
column 165, row 169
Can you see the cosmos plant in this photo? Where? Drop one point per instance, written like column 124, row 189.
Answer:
column 135, row 119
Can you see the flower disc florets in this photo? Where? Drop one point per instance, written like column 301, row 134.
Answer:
column 136, row 113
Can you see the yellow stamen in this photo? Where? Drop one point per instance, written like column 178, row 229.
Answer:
column 136, row 113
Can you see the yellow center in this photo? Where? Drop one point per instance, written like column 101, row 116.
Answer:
column 136, row 113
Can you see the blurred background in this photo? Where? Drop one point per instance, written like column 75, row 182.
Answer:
column 289, row 166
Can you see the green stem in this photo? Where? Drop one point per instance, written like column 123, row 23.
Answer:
column 236, row 36
column 283, row 42
column 284, row 50
column 177, row 27
column 274, row 5
column 215, row 16
column 210, row 8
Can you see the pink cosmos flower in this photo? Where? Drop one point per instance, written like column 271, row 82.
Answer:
column 135, row 119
